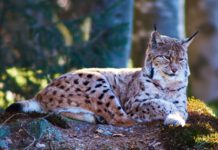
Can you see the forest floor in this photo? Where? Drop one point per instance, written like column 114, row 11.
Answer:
column 35, row 131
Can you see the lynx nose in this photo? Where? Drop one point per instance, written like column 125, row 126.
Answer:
column 174, row 70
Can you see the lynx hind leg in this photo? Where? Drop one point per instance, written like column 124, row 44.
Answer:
column 110, row 108
column 79, row 114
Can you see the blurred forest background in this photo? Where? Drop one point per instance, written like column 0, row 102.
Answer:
column 42, row 39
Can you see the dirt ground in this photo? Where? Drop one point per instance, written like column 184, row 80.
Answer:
column 82, row 135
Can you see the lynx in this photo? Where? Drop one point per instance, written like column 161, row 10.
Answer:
column 157, row 91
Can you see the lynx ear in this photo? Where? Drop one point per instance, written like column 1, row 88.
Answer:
column 155, row 39
column 186, row 42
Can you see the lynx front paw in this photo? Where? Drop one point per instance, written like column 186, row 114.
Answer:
column 174, row 120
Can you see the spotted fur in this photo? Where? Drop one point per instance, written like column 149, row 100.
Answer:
column 124, row 96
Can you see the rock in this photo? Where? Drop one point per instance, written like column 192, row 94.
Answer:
column 40, row 145
column 41, row 132
column 4, row 131
column 41, row 127
column 3, row 144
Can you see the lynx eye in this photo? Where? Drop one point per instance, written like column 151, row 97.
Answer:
column 165, row 57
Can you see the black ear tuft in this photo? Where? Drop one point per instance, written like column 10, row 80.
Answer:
column 188, row 41
column 192, row 36
column 16, row 107
column 155, row 27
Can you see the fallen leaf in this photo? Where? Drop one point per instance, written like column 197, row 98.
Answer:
column 99, row 131
column 96, row 136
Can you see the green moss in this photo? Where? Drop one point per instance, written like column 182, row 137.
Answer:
column 197, row 106
column 214, row 106
column 200, row 132
column 207, row 140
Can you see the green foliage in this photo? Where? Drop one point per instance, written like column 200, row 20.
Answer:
column 40, row 39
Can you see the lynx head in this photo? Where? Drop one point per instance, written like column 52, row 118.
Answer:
column 167, row 58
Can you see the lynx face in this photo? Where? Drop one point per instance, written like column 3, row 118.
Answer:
column 167, row 57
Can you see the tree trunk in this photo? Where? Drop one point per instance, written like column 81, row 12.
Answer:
column 203, row 51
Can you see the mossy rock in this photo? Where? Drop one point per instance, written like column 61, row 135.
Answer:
column 200, row 132
column 56, row 132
